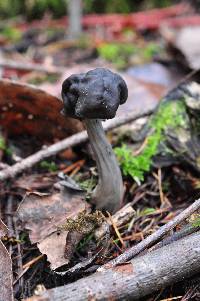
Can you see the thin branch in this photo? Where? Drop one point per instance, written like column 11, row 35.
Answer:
column 73, row 140
column 153, row 238
column 26, row 66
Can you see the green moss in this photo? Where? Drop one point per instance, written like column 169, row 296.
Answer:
column 11, row 33
column 119, row 53
column 147, row 211
column 170, row 115
column 4, row 147
column 2, row 143
column 39, row 79
column 194, row 220
column 150, row 51
column 85, row 222
column 50, row 166
column 88, row 184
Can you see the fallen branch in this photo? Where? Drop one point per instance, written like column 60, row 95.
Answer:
column 187, row 230
column 136, row 279
column 153, row 238
column 26, row 66
column 73, row 140
column 120, row 218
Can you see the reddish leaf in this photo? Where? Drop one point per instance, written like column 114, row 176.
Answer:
column 24, row 109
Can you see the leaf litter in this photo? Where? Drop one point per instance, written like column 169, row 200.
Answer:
column 43, row 214
column 54, row 206
column 6, row 275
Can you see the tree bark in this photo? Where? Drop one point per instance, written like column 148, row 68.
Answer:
column 137, row 278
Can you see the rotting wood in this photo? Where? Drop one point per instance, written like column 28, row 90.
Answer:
column 73, row 140
column 137, row 278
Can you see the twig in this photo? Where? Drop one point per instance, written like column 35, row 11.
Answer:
column 26, row 66
column 187, row 230
column 34, row 260
column 162, row 198
column 153, row 238
column 120, row 218
column 116, row 229
column 71, row 167
column 73, row 140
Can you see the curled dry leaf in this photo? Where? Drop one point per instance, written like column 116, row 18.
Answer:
column 43, row 214
column 24, row 109
column 6, row 291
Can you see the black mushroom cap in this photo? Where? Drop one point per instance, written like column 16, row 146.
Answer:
column 96, row 94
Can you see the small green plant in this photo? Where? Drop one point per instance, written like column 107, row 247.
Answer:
column 170, row 115
column 151, row 50
column 147, row 211
column 11, row 33
column 50, row 166
column 4, row 147
column 117, row 53
column 2, row 143
column 39, row 79
column 88, row 185
column 86, row 239
column 195, row 222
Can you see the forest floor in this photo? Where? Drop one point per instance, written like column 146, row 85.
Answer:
column 44, row 58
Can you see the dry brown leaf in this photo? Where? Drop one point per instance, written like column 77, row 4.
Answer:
column 6, row 291
column 42, row 214
column 35, row 182
column 3, row 229
column 24, row 109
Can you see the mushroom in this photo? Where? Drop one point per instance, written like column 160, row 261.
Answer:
column 92, row 97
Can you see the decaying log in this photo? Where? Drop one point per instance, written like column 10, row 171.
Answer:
column 181, row 140
column 137, row 278
column 71, row 141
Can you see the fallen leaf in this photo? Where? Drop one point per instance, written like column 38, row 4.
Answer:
column 34, row 182
column 3, row 229
column 42, row 214
column 6, row 291
column 179, row 37
column 24, row 109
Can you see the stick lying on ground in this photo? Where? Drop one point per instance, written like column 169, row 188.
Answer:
column 27, row 66
column 73, row 140
column 136, row 279
column 153, row 238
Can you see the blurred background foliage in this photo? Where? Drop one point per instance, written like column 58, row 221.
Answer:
column 34, row 9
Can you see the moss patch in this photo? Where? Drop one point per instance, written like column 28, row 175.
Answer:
column 169, row 116
column 120, row 53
